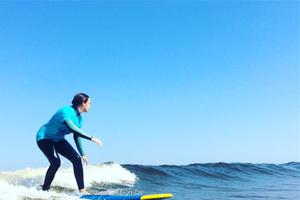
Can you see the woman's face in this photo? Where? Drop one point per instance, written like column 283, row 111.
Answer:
column 86, row 106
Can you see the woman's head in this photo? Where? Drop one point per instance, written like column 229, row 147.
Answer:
column 82, row 102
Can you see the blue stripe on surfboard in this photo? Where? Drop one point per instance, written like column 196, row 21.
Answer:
column 110, row 197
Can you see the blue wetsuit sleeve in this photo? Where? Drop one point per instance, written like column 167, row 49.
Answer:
column 77, row 131
column 78, row 143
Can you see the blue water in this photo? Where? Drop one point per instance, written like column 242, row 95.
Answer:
column 220, row 181
column 212, row 181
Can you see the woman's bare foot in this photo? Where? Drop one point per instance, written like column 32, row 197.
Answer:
column 84, row 192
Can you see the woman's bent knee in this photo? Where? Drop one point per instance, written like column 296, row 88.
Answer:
column 55, row 163
column 77, row 160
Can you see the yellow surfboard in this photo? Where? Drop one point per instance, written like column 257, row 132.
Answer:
column 156, row 196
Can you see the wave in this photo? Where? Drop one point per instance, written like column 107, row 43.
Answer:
column 221, row 170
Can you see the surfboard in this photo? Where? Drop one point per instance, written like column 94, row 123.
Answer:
column 127, row 197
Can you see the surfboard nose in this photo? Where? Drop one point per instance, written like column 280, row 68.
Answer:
column 157, row 196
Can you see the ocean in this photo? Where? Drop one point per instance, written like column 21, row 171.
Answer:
column 211, row 181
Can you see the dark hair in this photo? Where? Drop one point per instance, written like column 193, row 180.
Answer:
column 79, row 99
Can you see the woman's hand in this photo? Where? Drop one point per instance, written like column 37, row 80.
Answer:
column 97, row 141
column 85, row 160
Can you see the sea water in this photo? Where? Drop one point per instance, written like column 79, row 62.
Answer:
column 209, row 181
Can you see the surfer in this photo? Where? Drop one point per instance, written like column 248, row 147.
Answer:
column 51, row 140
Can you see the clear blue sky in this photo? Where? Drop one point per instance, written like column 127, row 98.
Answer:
column 170, row 82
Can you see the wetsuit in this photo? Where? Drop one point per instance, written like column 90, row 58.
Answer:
column 51, row 140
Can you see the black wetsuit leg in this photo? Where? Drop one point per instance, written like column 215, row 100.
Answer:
column 47, row 147
column 65, row 149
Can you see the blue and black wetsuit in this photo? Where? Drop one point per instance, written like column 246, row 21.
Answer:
column 51, row 140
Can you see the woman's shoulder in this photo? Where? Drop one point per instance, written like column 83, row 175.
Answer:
column 66, row 109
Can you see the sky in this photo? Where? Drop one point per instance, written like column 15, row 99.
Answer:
column 171, row 82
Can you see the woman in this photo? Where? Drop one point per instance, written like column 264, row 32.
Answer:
column 51, row 139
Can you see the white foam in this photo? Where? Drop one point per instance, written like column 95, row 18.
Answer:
column 24, row 182
column 16, row 192
column 102, row 173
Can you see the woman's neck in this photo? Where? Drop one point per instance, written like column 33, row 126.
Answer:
column 80, row 109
